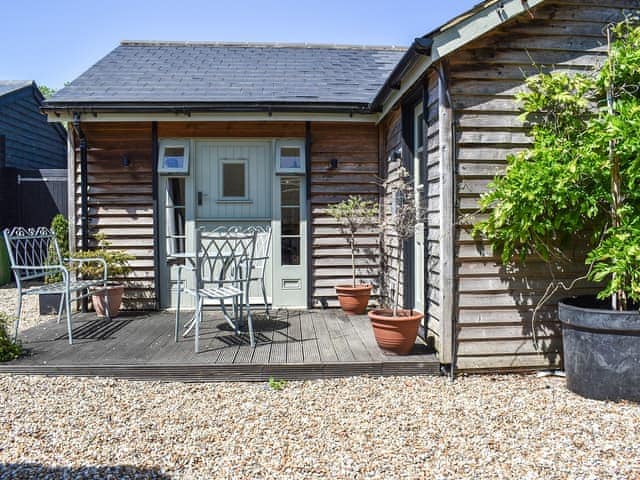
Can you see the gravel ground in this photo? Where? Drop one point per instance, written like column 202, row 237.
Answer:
column 30, row 310
column 425, row 427
column 477, row 427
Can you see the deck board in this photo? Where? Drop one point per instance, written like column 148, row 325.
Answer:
column 292, row 345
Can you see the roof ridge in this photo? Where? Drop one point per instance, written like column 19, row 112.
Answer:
column 171, row 43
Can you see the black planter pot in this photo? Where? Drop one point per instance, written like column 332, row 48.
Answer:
column 49, row 303
column 601, row 349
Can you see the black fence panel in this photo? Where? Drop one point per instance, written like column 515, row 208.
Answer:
column 31, row 198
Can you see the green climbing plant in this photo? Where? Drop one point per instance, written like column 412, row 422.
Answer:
column 581, row 177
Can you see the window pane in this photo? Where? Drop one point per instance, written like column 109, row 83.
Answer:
column 291, row 251
column 290, row 221
column 176, row 192
column 290, row 157
column 174, row 157
column 233, row 180
column 290, row 192
column 175, row 220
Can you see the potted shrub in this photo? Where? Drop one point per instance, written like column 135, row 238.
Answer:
column 117, row 266
column 353, row 214
column 581, row 180
column 395, row 328
column 49, row 303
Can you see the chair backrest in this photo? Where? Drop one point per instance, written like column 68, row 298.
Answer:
column 262, row 250
column 224, row 258
column 31, row 249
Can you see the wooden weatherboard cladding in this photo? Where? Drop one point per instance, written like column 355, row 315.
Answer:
column 120, row 197
column 494, row 306
column 391, row 141
column 355, row 146
column 120, row 200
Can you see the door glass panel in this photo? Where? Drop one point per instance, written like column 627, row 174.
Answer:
column 175, row 218
column 233, row 180
column 290, row 220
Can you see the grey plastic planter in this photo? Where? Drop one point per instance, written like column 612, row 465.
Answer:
column 601, row 349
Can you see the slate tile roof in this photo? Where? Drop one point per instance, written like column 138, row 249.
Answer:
column 173, row 72
column 8, row 86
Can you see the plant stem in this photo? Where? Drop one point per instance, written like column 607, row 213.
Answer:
column 618, row 300
column 353, row 259
column 396, row 292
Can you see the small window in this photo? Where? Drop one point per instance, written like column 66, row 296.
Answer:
column 234, row 179
column 174, row 158
column 290, row 156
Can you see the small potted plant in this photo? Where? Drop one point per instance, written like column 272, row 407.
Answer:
column 117, row 267
column 580, row 182
column 49, row 303
column 354, row 214
column 395, row 328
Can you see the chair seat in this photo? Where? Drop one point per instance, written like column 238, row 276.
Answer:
column 217, row 292
column 59, row 287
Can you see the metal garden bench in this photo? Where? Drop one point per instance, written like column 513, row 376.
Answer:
column 34, row 254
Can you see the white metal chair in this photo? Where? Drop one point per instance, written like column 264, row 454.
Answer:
column 34, row 254
column 223, row 266
column 262, row 254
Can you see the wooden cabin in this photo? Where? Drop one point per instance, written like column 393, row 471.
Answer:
column 449, row 110
column 265, row 135
column 170, row 137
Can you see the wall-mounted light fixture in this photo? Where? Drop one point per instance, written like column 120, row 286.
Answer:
column 333, row 164
column 125, row 161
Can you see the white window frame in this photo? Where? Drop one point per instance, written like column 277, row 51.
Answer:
column 291, row 143
column 171, row 143
column 234, row 161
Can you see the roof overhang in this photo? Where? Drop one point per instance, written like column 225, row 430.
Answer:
column 463, row 29
column 208, row 111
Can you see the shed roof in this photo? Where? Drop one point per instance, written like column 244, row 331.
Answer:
column 8, row 86
column 189, row 72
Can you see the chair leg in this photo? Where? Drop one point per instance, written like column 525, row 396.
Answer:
column 198, row 318
column 264, row 296
column 252, row 338
column 67, row 298
column 178, row 315
column 107, row 312
column 18, row 314
column 60, row 307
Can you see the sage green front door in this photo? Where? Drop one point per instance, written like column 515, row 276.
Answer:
column 235, row 184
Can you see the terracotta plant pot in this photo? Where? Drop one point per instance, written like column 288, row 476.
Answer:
column 114, row 293
column 354, row 300
column 396, row 334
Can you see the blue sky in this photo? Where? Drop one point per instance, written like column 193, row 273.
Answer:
column 55, row 41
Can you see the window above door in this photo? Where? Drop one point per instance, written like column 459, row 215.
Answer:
column 290, row 156
column 173, row 157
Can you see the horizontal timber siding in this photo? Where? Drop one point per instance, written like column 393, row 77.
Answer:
column 120, row 200
column 30, row 141
column 391, row 133
column 494, row 305
column 355, row 146
column 433, row 174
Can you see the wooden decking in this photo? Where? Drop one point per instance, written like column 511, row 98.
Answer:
column 293, row 345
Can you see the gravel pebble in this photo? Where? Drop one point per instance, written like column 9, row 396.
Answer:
column 398, row 427
column 30, row 310
column 414, row 427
